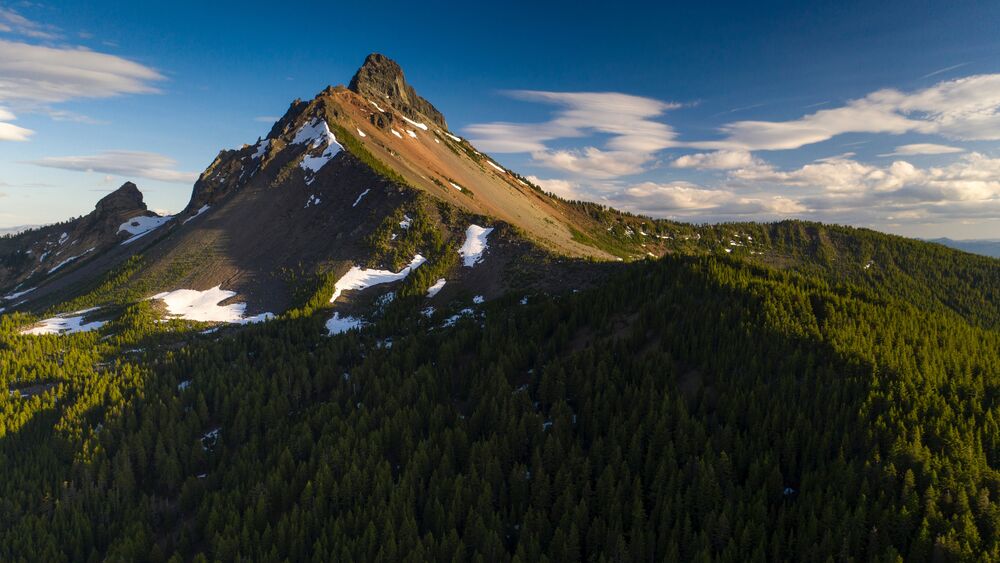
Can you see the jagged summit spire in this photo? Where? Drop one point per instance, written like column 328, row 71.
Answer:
column 381, row 78
column 126, row 198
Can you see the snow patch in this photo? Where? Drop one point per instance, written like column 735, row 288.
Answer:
column 17, row 294
column 494, row 165
column 436, row 288
column 261, row 148
column 141, row 226
column 478, row 300
column 450, row 321
column 363, row 194
column 396, row 133
column 360, row 132
column 201, row 210
column 71, row 258
column 454, row 138
column 337, row 324
column 474, row 245
column 194, row 305
column 65, row 324
column 313, row 200
column 376, row 106
column 361, row 278
column 414, row 123
column 317, row 134
column 456, row 186
column 406, row 222
column 63, row 237
column 411, row 133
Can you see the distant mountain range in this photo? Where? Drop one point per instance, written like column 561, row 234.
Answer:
column 985, row 247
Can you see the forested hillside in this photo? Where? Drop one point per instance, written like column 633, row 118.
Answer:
column 785, row 406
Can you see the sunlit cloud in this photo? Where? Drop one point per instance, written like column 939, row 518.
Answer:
column 633, row 134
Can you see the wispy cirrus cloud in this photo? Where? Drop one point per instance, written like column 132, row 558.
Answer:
column 128, row 164
column 923, row 148
column 14, row 23
column 37, row 74
column 33, row 77
column 634, row 135
column 962, row 109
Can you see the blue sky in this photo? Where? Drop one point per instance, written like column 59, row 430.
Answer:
column 884, row 115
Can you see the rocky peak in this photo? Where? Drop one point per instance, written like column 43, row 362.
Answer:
column 125, row 199
column 381, row 78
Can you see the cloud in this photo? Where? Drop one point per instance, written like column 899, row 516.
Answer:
column 835, row 189
column 853, row 190
column 718, row 160
column 685, row 199
column 13, row 22
column 562, row 188
column 35, row 75
column 628, row 121
column 130, row 164
column 923, row 148
column 964, row 109
column 592, row 162
column 9, row 131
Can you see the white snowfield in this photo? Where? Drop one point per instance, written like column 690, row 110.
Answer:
column 194, row 305
column 474, row 245
column 363, row 194
column 436, row 288
column 414, row 123
column 201, row 210
column 338, row 324
column 141, row 226
column 71, row 258
column 317, row 134
column 361, row 278
column 70, row 323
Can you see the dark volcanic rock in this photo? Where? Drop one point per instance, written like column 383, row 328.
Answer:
column 125, row 199
column 380, row 78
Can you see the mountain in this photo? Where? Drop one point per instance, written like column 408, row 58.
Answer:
column 46, row 253
column 984, row 247
column 311, row 196
column 365, row 340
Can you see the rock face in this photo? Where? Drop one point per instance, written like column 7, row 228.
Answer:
column 126, row 199
column 380, row 78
